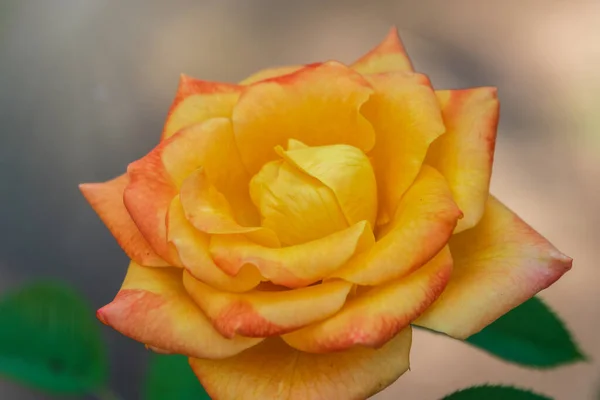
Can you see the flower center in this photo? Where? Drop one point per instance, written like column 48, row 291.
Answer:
column 311, row 192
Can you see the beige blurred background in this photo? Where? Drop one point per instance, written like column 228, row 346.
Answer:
column 85, row 86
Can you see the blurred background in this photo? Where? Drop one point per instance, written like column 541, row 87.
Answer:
column 85, row 87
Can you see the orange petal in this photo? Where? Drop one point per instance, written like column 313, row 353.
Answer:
column 272, row 370
column 388, row 56
column 153, row 307
column 345, row 170
column 407, row 119
column 293, row 266
column 267, row 313
column 318, row 105
column 192, row 247
column 208, row 210
column 269, row 73
column 464, row 154
column 423, row 224
column 107, row 200
column 197, row 101
column 498, row 265
column 374, row 317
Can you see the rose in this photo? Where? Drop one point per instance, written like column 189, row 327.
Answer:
column 287, row 231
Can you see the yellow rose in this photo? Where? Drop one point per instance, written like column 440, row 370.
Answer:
column 287, row 230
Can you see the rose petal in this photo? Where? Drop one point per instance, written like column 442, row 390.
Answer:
column 374, row 317
column 153, row 307
column 267, row 313
column 423, row 223
column 293, row 266
column 464, row 154
column 197, row 101
column 192, row 247
column 273, row 370
column 208, row 210
column 107, row 200
column 269, row 73
column 407, row 119
column 346, row 171
column 319, row 105
column 388, row 56
column 293, row 204
column 498, row 265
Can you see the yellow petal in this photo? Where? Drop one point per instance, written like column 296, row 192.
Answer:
column 293, row 266
column 346, row 171
column 269, row 73
column 272, row 370
column 423, row 223
column 153, row 307
column 296, row 206
column 377, row 315
column 208, row 210
column 388, row 56
column 407, row 118
column 211, row 145
column 267, row 313
column 498, row 265
column 464, row 154
column 318, row 105
column 192, row 247
column 197, row 101
column 107, row 200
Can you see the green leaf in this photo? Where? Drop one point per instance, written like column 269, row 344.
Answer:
column 529, row 335
column 50, row 339
column 494, row 393
column 171, row 377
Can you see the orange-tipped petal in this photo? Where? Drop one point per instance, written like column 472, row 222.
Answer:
column 273, row 370
column 208, row 210
column 197, row 101
column 377, row 315
column 211, row 145
column 345, row 170
column 153, row 307
column 295, row 205
column 267, row 313
column 107, row 200
column 318, row 105
column 498, row 265
column 422, row 226
column 293, row 266
column 192, row 247
column 269, row 73
column 388, row 56
column 407, row 119
column 464, row 154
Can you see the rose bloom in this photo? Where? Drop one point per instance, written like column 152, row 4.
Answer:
column 287, row 230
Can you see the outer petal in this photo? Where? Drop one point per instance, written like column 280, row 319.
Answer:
column 423, row 223
column 499, row 264
column 107, row 200
column 267, row 313
column 407, row 119
column 293, row 266
column 209, row 211
column 317, row 105
column 346, row 171
column 197, row 101
column 374, row 317
column 192, row 247
column 153, row 307
column 269, row 73
column 388, row 56
column 275, row 371
column 464, row 155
